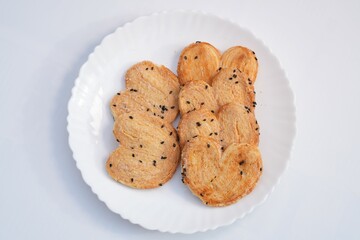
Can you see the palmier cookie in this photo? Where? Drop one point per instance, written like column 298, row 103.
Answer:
column 231, row 85
column 195, row 95
column 199, row 123
column 198, row 62
column 217, row 178
column 241, row 58
column 237, row 125
column 148, row 153
column 151, row 88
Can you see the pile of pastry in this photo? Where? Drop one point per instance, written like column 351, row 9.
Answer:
column 217, row 137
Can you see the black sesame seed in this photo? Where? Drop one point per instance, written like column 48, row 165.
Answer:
column 146, row 69
column 201, row 194
column 256, row 129
column 188, row 102
column 162, row 142
column 210, row 134
column 234, row 75
column 152, row 68
column 207, row 203
column 254, row 103
column 154, row 163
column 162, row 126
column 117, row 140
column 195, row 136
column 172, row 107
column 241, row 172
column 174, row 145
column 182, row 179
column 253, row 52
column 204, row 119
column 170, row 133
column 208, row 145
column 211, row 120
column 162, row 117
column 148, row 109
column 236, row 82
column 219, row 69
column 234, row 70
column 131, row 117
column 198, row 124
column 187, row 140
column 118, row 93
column 256, row 58
column 154, row 114
column 134, row 90
column 132, row 180
column 140, row 161
column 114, row 105
column 110, row 165
column 162, row 157
column 185, row 57
column 202, row 103
column 222, row 148
column 132, row 147
column 260, row 169
column 198, row 42
column 216, row 133
column 242, row 162
column 212, row 111
column 206, row 86
column 170, row 92
column 160, row 184
column 230, row 78
column 133, row 155
column 221, row 140
column 196, row 57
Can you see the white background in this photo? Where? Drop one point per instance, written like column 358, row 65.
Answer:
column 44, row 43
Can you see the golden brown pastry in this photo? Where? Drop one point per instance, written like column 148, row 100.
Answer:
column 198, row 62
column 195, row 95
column 231, row 85
column 150, row 88
column 241, row 58
column 220, row 178
column 148, row 153
column 196, row 124
column 237, row 125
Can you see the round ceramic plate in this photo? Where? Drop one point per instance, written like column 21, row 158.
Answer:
column 160, row 38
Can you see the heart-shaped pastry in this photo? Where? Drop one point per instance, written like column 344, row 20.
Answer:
column 232, row 85
column 241, row 58
column 149, row 88
column 195, row 95
column 220, row 178
column 148, row 153
column 198, row 62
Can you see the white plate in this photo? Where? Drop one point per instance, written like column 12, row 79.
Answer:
column 160, row 38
